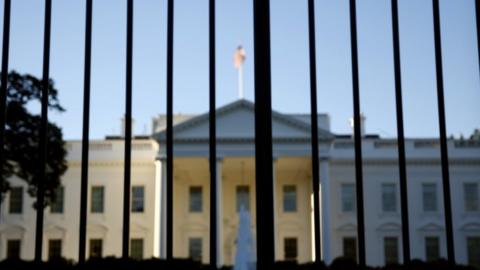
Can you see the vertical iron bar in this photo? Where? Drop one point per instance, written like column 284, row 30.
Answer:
column 357, row 136
column 4, row 86
column 128, row 133
column 213, row 140
column 43, row 133
column 443, row 133
column 170, row 130
column 263, row 136
column 85, row 137
column 314, row 128
column 477, row 19
column 400, row 133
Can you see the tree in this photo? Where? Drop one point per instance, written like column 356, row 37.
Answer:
column 22, row 133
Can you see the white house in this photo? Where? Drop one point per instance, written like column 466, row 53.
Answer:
column 236, row 176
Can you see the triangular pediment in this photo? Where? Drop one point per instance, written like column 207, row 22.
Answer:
column 136, row 227
column 13, row 229
column 236, row 121
column 470, row 227
column 52, row 228
column 97, row 228
column 430, row 227
column 347, row 227
column 389, row 227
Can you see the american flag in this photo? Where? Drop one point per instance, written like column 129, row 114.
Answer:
column 239, row 57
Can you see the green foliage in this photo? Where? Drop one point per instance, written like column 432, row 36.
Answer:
column 22, row 136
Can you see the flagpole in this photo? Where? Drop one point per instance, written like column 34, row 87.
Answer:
column 238, row 59
column 241, row 93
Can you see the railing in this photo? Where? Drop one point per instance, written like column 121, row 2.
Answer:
column 263, row 129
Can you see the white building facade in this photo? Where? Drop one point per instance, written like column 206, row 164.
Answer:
column 236, row 179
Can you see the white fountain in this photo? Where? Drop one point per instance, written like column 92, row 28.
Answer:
column 245, row 259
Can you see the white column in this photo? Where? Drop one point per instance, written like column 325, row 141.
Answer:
column 163, row 209
column 241, row 93
column 156, row 213
column 325, row 209
column 219, row 216
column 278, row 256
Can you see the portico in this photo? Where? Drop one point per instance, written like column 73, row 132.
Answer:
column 236, row 180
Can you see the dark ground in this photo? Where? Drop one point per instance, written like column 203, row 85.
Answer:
column 150, row 264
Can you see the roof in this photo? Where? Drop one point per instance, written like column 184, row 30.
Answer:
column 282, row 122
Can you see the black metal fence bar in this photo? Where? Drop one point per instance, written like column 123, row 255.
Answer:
column 213, row 139
column 357, row 136
column 314, row 128
column 400, row 133
column 3, row 90
column 443, row 133
column 477, row 19
column 43, row 132
column 263, row 136
column 170, row 129
column 85, row 136
column 128, row 133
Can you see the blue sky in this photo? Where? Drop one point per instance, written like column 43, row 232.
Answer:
column 290, row 72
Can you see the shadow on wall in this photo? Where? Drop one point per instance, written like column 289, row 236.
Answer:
column 182, row 264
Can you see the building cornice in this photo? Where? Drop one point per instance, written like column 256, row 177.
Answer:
column 410, row 161
column 74, row 164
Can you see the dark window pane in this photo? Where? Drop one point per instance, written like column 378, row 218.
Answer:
column 196, row 202
column 13, row 249
column 473, row 249
column 389, row 198
column 348, row 197
column 391, row 250
column 195, row 249
column 97, row 199
column 54, row 249
column 472, row 202
column 136, row 249
column 16, row 200
column 138, row 199
column 432, row 248
column 350, row 248
column 243, row 198
column 429, row 197
column 290, row 248
column 96, row 248
column 57, row 205
column 289, row 198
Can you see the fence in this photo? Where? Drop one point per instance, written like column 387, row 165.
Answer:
column 263, row 128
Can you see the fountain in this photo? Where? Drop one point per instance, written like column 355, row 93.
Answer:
column 245, row 258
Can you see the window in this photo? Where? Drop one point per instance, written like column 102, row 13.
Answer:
column 429, row 192
column 97, row 199
column 472, row 202
column 16, row 200
column 13, row 249
column 136, row 248
column 243, row 198
column 196, row 199
column 290, row 248
column 195, row 249
column 57, row 205
column 473, row 250
column 96, row 248
column 138, row 199
column 289, row 198
column 54, row 249
column 391, row 250
column 389, row 198
column 432, row 248
column 348, row 197
column 350, row 248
